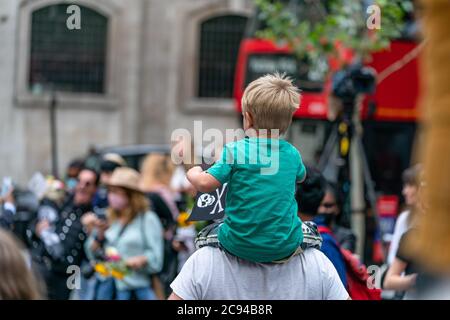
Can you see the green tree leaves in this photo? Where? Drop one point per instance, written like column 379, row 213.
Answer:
column 312, row 28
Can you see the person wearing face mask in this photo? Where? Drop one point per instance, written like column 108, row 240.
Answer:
column 329, row 214
column 310, row 195
column 109, row 163
column 134, row 232
column 72, row 172
column 97, row 287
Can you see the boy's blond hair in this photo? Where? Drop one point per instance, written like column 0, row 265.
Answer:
column 271, row 100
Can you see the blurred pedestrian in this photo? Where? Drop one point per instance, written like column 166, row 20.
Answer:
column 72, row 172
column 57, row 248
column 404, row 270
column 329, row 214
column 52, row 201
column 17, row 281
column 157, row 171
column 134, row 232
column 109, row 163
column 410, row 188
column 95, row 286
column 7, row 210
column 410, row 179
column 309, row 196
column 353, row 274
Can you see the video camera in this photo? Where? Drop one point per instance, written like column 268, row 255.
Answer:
column 356, row 79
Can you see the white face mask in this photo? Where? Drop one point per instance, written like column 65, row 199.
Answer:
column 117, row 202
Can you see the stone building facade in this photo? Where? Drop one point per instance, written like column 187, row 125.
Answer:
column 141, row 69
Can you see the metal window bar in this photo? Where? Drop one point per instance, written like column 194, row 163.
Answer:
column 219, row 46
column 67, row 60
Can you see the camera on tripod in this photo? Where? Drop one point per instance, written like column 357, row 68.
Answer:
column 348, row 83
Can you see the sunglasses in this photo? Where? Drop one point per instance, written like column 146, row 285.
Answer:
column 86, row 183
column 329, row 205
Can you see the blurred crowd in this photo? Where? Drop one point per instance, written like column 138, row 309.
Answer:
column 105, row 233
column 116, row 233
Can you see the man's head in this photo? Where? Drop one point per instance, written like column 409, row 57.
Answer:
column 86, row 186
column 72, row 172
column 331, row 204
column 310, row 193
column 74, row 168
column 411, row 178
column 110, row 162
column 269, row 103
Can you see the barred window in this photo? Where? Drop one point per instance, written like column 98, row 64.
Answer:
column 219, row 45
column 64, row 59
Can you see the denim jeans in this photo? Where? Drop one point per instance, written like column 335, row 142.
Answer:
column 105, row 289
column 87, row 289
column 141, row 294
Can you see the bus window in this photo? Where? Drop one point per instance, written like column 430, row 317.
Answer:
column 306, row 78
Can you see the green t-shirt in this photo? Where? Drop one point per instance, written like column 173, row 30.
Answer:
column 261, row 223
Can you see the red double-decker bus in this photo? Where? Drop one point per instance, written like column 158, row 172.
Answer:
column 389, row 116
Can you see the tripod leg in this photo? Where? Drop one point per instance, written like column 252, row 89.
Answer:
column 328, row 150
column 370, row 189
column 367, row 177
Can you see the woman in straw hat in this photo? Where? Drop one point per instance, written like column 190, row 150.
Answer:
column 133, row 240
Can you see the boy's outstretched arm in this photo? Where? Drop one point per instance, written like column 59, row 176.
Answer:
column 201, row 180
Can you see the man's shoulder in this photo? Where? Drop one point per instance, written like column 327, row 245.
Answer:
column 209, row 253
column 205, row 253
column 317, row 260
column 314, row 255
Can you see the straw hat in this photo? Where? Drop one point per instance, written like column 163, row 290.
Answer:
column 125, row 178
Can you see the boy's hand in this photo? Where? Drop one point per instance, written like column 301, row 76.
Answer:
column 202, row 181
column 194, row 170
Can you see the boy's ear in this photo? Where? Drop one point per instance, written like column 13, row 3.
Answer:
column 249, row 119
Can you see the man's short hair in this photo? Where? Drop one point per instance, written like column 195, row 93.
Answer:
column 76, row 163
column 272, row 101
column 311, row 192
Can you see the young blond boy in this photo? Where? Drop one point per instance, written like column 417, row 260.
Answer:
column 261, row 223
